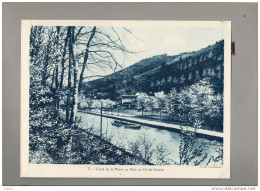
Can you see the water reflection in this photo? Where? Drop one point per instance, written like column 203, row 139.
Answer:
column 125, row 138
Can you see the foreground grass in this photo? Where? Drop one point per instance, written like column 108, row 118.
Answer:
column 84, row 147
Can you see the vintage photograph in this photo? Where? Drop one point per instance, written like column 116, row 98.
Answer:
column 149, row 93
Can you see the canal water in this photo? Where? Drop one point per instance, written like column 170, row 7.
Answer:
column 150, row 137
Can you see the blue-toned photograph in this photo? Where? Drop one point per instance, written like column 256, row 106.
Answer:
column 126, row 95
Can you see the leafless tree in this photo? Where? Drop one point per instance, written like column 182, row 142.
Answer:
column 66, row 55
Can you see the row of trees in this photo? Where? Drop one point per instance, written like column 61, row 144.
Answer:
column 186, row 71
column 97, row 104
column 197, row 101
column 192, row 76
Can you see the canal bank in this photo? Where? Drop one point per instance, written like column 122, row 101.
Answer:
column 211, row 135
column 149, row 142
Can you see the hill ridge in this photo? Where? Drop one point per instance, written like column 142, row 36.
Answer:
column 162, row 73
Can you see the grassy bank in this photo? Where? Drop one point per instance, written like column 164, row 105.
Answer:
column 83, row 147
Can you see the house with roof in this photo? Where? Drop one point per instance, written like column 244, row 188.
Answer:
column 128, row 101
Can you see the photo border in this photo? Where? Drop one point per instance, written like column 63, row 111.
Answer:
column 94, row 171
column 244, row 20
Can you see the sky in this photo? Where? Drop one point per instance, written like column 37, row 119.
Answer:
column 151, row 41
column 155, row 41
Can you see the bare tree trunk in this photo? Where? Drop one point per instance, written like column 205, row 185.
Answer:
column 46, row 59
column 44, row 73
column 52, row 79
column 57, row 100
column 69, row 84
column 63, row 59
column 75, row 84
column 86, row 59
column 57, row 94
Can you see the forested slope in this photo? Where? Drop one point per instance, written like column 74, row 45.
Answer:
column 162, row 73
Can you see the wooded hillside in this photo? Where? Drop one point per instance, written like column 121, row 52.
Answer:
column 162, row 73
